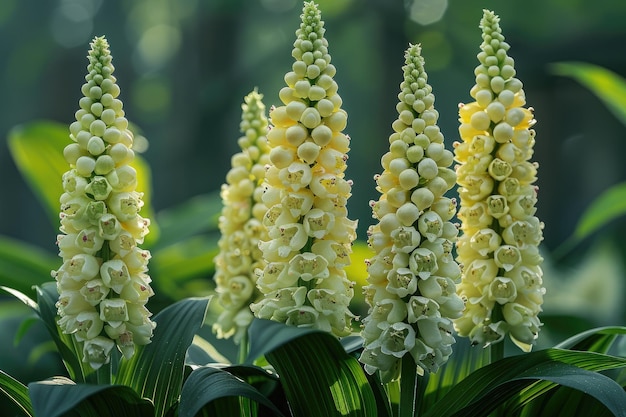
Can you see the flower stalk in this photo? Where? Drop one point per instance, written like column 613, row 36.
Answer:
column 103, row 283
column 309, row 234
column 412, row 276
column 241, row 224
column 498, row 248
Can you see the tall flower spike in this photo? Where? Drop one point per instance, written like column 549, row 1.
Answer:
column 304, row 283
column 241, row 223
column 412, row 276
column 498, row 248
column 103, row 283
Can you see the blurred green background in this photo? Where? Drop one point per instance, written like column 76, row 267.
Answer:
column 184, row 67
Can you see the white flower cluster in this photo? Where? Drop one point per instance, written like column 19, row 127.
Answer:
column 498, row 248
column 241, row 223
column 412, row 276
column 309, row 234
column 103, row 283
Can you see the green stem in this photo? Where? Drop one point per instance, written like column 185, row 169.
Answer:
column 408, row 388
column 244, row 348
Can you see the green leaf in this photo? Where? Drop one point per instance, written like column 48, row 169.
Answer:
column 597, row 340
column 491, row 386
column 607, row 85
column 209, row 384
column 16, row 392
column 318, row 376
column 196, row 215
column 156, row 370
column 37, row 150
column 68, row 347
column 23, row 265
column 465, row 360
column 186, row 267
column 610, row 205
column 60, row 396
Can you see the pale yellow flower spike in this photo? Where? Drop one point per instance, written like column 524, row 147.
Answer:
column 498, row 248
column 103, row 283
column 241, row 223
column 412, row 276
column 304, row 283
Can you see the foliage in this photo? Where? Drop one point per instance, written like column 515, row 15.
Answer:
column 289, row 371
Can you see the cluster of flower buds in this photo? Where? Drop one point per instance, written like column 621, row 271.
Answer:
column 309, row 235
column 498, row 249
column 241, row 223
column 103, row 283
column 412, row 276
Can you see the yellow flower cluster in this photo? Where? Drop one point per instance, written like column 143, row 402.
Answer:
column 103, row 283
column 498, row 248
column 309, row 234
column 412, row 276
column 241, row 223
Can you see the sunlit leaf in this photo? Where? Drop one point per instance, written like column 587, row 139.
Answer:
column 37, row 150
column 60, row 396
column 208, row 384
column 16, row 392
column 607, row 85
column 336, row 385
column 156, row 370
column 491, row 386
column 597, row 340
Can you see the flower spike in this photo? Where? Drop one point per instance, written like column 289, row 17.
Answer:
column 309, row 235
column 412, row 276
column 241, row 223
column 103, row 283
column 498, row 248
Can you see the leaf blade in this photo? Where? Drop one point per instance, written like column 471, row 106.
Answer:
column 16, row 392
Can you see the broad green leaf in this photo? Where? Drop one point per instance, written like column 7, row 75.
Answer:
column 37, row 150
column 185, row 268
column 23, row 265
column 16, row 392
column 196, row 215
column 491, row 386
column 318, row 376
column 207, row 384
column 59, row 396
column 607, row 85
column 156, row 370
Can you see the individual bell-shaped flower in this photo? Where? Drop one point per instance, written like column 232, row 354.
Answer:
column 104, row 272
column 241, row 223
column 499, row 232
column 412, row 266
column 309, row 235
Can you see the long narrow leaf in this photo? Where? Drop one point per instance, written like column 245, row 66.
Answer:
column 607, row 85
column 492, row 385
column 68, row 347
column 318, row 376
column 60, row 396
column 594, row 340
column 16, row 392
column 156, row 370
column 208, row 384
